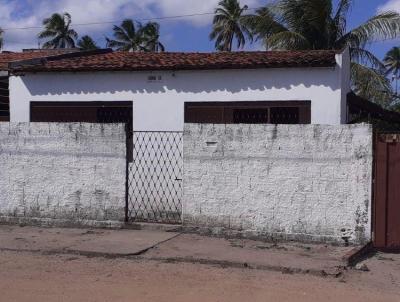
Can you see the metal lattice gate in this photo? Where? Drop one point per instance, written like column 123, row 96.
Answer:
column 155, row 178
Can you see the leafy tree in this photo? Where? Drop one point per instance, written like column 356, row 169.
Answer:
column 87, row 43
column 316, row 24
column 131, row 36
column 230, row 23
column 57, row 30
column 392, row 64
column 151, row 38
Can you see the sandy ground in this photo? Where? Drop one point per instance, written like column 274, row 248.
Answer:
column 103, row 265
column 319, row 259
column 32, row 277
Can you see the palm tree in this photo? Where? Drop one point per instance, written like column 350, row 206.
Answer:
column 315, row 24
column 230, row 22
column 126, row 37
column 151, row 38
column 392, row 64
column 87, row 43
column 131, row 36
column 57, row 29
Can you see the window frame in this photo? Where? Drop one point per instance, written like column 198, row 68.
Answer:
column 223, row 111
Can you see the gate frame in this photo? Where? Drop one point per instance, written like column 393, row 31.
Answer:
column 128, row 219
column 127, row 133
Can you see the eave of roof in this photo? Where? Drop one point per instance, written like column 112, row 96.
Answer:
column 374, row 110
column 7, row 57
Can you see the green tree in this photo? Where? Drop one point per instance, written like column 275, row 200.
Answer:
column 134, row 36
column 87, row 43
column 316, row 24
column 392, row 64
column 151, row 38
column 230, row 23
column 57, row 30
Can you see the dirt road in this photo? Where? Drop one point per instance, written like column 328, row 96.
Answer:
column 34, row 277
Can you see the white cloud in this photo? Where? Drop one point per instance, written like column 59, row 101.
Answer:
column 391, row 5
column 187, row 7
column 28, row 13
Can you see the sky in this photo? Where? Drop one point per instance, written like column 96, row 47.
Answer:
column 179, row 34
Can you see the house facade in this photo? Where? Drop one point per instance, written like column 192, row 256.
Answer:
column 164, row 90
column 311, row 182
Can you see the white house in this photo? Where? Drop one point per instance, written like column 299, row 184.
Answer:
column 311, row 182
column 159, row 91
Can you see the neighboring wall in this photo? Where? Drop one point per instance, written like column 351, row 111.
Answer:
column 304, row 182
column 68, row 172
column 159, row 106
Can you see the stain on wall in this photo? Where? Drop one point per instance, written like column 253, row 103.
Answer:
column 74, row 172
column 303, row 182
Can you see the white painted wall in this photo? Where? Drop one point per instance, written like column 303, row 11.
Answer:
column 303, row 182
column 344, row 62
column 160, row 106
column 69, row 172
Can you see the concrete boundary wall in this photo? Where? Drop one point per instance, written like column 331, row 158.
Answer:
column 302, row 182
column 62, row 174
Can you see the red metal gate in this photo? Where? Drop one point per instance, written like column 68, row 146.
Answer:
column 387, row 192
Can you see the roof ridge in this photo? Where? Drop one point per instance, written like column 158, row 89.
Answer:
column 231, row 52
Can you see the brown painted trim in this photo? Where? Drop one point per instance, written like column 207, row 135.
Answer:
column 221, row 112
column 251, row 103
column 83, row 104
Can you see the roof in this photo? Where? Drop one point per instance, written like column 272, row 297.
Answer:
column 361, row 108
column 7, row 57
column 107, row 60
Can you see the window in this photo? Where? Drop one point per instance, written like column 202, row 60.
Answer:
column 86, row 112
column 4, row 100
column 282, row 112
column 284, row 115
column 250, row 116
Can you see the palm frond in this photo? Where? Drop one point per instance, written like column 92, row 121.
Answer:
column 340, row 18
column 367, row 58
column 264, row 23
column 392, row 62
column 47, row 34
column 87, row 43
column 309, row 18
column 371, row 84
column 286, row 40
column 149, row 36
column 120, row 34
column 128, row 27
column 380, row 27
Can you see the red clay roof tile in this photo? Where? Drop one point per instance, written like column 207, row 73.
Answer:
column 8, row 57
column 130, row 61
